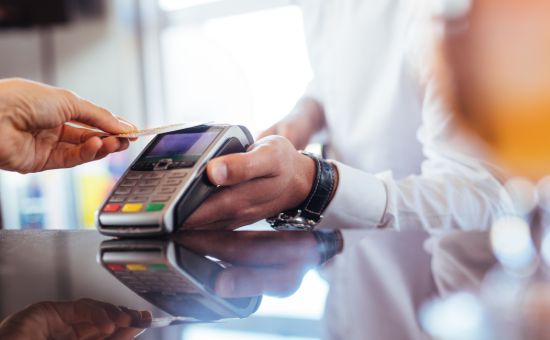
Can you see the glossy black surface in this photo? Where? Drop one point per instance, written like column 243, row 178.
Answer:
column 40, row 266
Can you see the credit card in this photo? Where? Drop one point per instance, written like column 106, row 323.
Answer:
column 171, row 321
column 159, row 130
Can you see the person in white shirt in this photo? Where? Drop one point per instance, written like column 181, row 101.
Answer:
column 367, row 96
column 371, row 96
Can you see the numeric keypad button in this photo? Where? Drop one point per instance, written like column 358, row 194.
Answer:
column 128, row 183
column 173, row 181
column 123, row 191
column 177, row 174
column 143, row 191
column 166, row 190
column 154, row 175
column 149, row 183
column 134, row 176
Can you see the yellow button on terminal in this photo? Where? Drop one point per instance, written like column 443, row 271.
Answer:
column 136, row 267
column 132, row 207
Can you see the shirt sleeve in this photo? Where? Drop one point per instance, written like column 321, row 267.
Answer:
column 457, row 189
column 431, row 201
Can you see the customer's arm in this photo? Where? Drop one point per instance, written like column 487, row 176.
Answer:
column 34, row 135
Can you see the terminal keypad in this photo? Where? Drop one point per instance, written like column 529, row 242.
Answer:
column 151, row 278
column 148, row 192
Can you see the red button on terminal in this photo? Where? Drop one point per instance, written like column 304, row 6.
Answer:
column 112, row 207
column 116, row 267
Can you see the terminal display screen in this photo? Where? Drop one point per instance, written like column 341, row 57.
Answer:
column 180, row 146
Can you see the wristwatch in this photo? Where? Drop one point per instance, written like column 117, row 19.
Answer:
column 329, row 243
column 310, row 213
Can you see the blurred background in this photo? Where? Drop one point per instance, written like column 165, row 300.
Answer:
column 157, row 62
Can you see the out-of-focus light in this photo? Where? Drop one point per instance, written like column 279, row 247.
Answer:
column 451, row 9
column 523, row 193
column 545, row 248
column 512, row 244
column 543, row 193
column 172, row 5
column 459, row 316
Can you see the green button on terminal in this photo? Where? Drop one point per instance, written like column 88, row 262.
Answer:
column 158, row 267
column 154, row 207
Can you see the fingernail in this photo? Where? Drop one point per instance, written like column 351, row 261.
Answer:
column 145, row 315
column 219, row 173
column 127, row 123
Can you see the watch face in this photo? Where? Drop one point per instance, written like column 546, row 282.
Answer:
column 292, row 227
column 285, row 221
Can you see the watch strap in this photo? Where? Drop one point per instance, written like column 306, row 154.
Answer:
column 321, row 192
column 329, row 243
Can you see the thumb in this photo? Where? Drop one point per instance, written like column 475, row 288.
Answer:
column 95, row 116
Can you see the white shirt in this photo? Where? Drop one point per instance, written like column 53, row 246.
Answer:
column 372, row 105
column 369, row 82
column 365, row 61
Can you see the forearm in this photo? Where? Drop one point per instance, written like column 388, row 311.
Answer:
column 310, row 111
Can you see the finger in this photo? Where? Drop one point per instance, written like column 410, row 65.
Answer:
column 139, row 319
column 238, row 282
column 74, row 135
column 110, row 145
column 119, row 317
column 88, row 113
column 145, row 320
column 99, row 316
column 261, row 161
column 251, row 201
column 87, row 318
column 86, row 330
column 252, row 247
column 70, row 155
column 124, row 120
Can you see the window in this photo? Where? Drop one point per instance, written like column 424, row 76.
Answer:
column 248, row 67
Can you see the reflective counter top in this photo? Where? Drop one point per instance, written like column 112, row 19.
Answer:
column 210, row 278
column 259, row 284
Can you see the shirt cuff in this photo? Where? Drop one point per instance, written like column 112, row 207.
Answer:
column 359, row 202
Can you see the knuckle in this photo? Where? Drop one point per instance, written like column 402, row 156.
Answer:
column 66, row 93
column 248, row 213
column 247, row 168
column 228, row 206
column 233, row 172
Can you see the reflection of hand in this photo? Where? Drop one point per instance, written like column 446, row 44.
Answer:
column 262, row 262
column 33, row 133
column 299, row 126
column 82, row 319
column 271, row 177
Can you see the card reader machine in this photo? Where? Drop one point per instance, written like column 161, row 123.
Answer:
column 167, row 182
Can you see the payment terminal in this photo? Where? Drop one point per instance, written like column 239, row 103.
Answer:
column 173, row 278
column 167, row 182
